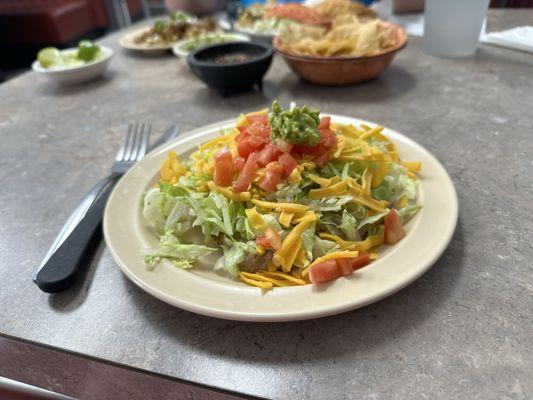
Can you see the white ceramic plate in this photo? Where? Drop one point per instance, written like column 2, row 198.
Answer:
column 80, row 73
column 179, row 50
column 204, row 292
column 128, row 42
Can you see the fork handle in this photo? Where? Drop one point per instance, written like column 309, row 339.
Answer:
column 61, row 264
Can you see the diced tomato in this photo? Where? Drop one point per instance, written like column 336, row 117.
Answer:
column 262, row 131
column 256, row 141
column 345, row 266
column 249, row 144
column 333, row 269
column 321, row 159
column 268, row 154
column 273, row 176
column 245, row 177
column 238, row 163
column 360, row 261
column 287, row 162
column 283, row 145
column 244, row 148
column 223, row 173
column 273, row 238
column 257, row 118
column 241, row 136
column 328, row 138
column 263, row 242
column 394, row 231
column 324, row 122
column 324, row 271
column 243, row 129
column 258, row 126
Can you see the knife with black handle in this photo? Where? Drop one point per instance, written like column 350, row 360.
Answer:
column 62, row 263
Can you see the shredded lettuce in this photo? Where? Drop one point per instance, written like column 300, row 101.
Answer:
column 233, row 256
column 271, row 220
column 156, row 208
column 180, row 220
column 235, row 253
column 322, row 247
column 348, row 225
column 182, row 254
column 308, row 241
column 408, row 212
column 372, row 219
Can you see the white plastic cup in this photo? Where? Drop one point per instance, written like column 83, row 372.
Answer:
column 452, row 27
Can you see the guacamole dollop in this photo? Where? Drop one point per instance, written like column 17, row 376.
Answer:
column 297, row 125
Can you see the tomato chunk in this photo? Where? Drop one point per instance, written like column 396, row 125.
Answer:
column 238, row 163
column 249, row 144
column 244, row 179
column 324, row 122
column 360, row 261
column 287, row 162
column 345, row 266
column 261, row 119
column 223, row 172
column 328, row 138
column 394, row 231
column 263, row 242
column 268, row 154
column 273, row 176
column 273, row 238
column 324, row 271
column 321, row 159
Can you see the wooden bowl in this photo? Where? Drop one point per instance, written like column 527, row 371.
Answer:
column 342, row 71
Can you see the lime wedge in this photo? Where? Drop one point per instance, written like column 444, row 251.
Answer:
column 49, row 56
column 87, row 50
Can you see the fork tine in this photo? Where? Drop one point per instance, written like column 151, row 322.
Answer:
column 132, row 145
column 122, row 150
column 145, row 139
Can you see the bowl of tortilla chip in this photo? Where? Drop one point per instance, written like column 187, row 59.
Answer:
column 353, row 50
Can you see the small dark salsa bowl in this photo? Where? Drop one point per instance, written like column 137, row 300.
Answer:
column 231, row 67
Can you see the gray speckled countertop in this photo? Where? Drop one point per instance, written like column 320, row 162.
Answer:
column 463, row 330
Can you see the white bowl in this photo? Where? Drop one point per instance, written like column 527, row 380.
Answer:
column 178, row 50
column 77, row 74
column 255, row 36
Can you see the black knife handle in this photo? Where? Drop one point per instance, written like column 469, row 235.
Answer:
column 60, row 266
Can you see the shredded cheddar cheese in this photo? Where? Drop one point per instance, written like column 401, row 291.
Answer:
column 368, row 201
column 229, row 194
column 214, row 142
column 413, row 166
column 289, row 207
column 366, row 181
column 284, row 257
column 337, row 189
column 285, row 218
column 364, row 245
column 171, row 169
column 255, row 219
column 254, row 282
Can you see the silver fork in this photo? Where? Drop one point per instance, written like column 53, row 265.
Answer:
column 62, row 262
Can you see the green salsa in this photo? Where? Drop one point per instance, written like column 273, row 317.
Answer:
column 297, row 125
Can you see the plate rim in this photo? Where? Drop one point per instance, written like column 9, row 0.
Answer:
column 239, row 37
column 289, row 315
